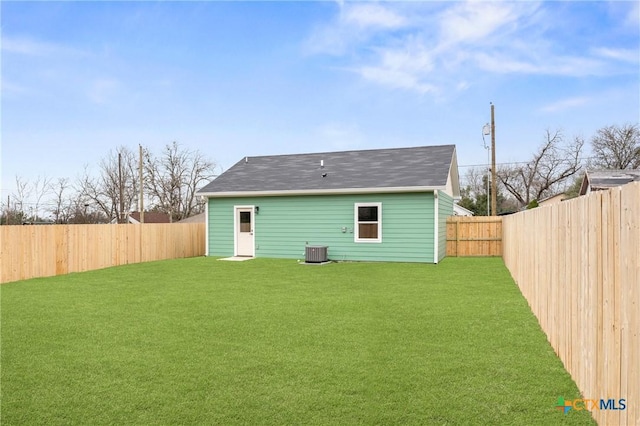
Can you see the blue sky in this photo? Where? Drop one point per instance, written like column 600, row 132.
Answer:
column 258, row 78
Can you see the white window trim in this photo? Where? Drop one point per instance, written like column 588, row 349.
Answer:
column 356, row 228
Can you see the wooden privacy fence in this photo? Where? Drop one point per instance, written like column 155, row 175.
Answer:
column 578, row 265
column 44, row 250
column 474, row 236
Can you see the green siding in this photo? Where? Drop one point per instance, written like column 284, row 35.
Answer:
column 445, row 209
column 220, row 232
column 285, row 225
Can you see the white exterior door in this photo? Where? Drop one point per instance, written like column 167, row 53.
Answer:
column 244, row 231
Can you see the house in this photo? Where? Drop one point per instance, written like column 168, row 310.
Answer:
column 458, row 210
column 370, row 205
column 554, row 199
column 196, row 218
column 598, row 180
column 149, row 217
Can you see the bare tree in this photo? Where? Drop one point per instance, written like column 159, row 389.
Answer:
column 41, row 188
column 475, row 180
column 115, row 191
column 29, row 196
column 81, row 210
column 173, row 178
column 617, row 147
column 476, row 193
column 11, row 215
column 546, row 172
column 58, row 207
column 63, row 200
column 21, row 196
column 474, row 190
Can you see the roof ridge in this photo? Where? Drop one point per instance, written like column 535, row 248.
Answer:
column 349, row 151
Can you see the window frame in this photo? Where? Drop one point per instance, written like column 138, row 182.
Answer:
column 356, row 223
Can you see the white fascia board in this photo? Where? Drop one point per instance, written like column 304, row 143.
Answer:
column 323, row 191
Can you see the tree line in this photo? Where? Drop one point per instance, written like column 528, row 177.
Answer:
column 172, row 177
column 170, row 181
column 557, row 166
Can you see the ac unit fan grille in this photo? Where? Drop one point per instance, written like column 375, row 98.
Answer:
column 316, row 254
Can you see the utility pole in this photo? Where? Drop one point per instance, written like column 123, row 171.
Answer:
column 141, row 189
column 486, row 130
column 494, row 201
column 121, row 215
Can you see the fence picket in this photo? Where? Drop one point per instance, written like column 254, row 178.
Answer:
column 474, row 236
column 45, row 250
column 578, row 265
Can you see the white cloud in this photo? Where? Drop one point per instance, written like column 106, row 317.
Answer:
column 26, row 47
column 415, row 47
column 413, row 57
column 543, row 62
column 474, row 21
column 406, row 67
column 330, row 41
column 354, row 25
column 371, row 15
column 12, row 88
column 633, row 16
column 31, row 47
column 566, row 104
column 627, row 12
column 395, row 78
column 61, row 68
column 443, row 49
column 462, row 86
column 624, row 55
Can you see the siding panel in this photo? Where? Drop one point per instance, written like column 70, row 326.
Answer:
column 285, row 225
column 445, row 209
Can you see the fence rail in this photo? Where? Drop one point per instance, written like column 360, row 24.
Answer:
column 44, row 250
column 578, row 265
column 474, row 236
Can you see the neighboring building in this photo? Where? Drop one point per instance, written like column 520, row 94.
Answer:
column 598, row 180
column 196, row 218
column 371, row 205
column 149, row 217
column 461, row 211
column 554, row 199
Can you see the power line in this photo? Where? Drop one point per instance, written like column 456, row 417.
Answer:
column 513, row 163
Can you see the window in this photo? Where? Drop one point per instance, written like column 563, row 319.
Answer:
column 368, row 222
column 245, row 221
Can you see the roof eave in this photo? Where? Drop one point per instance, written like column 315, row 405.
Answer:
column 454, row 174
column 335, row 191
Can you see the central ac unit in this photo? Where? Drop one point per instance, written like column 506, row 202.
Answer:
column 316, row 254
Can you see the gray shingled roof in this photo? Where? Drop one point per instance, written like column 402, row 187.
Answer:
column 426, row 166
column 605, row 179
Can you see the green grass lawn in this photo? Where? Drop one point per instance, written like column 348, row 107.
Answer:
column 201, row 341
